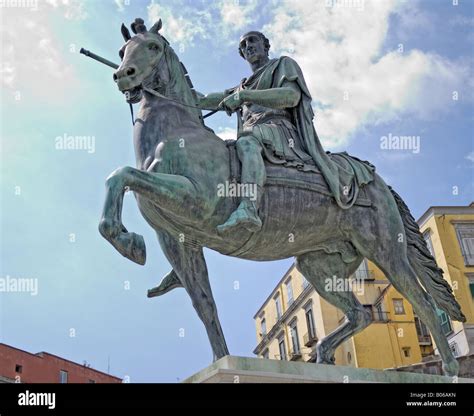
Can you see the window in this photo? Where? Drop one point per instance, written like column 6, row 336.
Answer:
column 369, row 309
column 421, row 328
column 398, row 307
column 305, row 283
column 429, row 244
column 445, row 322
column 465, row 233
column 282, row 348
column 91, row 381
column 18, row 368
column 294, row 337
column 470, row 277
column 278, row 305
column 289, row 291
column 349, row 357
column 265, row 354
column 310, row 323
column 406, row 352
column 380, row 314
column 263, row 325
column 62, row 376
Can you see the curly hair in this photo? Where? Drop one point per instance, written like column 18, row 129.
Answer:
column 266, row 42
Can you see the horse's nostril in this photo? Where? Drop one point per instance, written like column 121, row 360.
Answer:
column 130, row 71
column 114, row 77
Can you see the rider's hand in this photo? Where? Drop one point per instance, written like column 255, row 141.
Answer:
column 231, row 103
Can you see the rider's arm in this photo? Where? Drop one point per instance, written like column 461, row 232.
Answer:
column 286, row 96
column 212, row 100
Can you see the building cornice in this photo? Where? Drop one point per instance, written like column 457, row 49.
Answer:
column 274, row 291
column 277, row 327
column 300, row 301
column 42, row 354
column 445, row 210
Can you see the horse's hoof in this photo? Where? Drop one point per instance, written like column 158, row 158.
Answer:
column 132, row 246
column 451, row 369
column 137, row 249
column 323, row 355
column 169, row 282
column 326, row 361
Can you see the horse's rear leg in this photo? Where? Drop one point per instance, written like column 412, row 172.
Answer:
column 380, row 236
column 317, row 267
column 402, row 276
column 190, row 267
column 168, row 191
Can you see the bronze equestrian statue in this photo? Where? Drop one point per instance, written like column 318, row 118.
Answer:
column 329, row 211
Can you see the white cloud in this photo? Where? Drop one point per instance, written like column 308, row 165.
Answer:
column 470, row 157
column 120, row 5
column 353, row 83
column 236, row 15
column 178, row 27
column 71, row 9
column 227, row 133
column 33, row 63
column 412, row 19
column 217, row 22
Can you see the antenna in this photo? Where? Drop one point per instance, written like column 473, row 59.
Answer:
column 108, row 364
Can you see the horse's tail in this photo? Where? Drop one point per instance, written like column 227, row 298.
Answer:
column 428, row 272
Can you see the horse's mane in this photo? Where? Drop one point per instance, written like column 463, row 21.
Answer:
column 173, row 55
column 176, row 67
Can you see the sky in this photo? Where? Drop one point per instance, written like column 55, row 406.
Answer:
column 376, row 70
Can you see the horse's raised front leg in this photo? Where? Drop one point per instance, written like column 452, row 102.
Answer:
column 169, row 192
column 190, row 266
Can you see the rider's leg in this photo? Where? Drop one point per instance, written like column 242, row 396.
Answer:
column 249, row 151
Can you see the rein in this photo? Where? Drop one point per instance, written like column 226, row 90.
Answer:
column 157, row 94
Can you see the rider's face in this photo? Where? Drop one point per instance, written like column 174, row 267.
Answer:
column 253, row 48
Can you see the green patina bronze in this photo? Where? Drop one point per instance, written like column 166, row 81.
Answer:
column 329, row 211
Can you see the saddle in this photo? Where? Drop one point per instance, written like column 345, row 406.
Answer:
column 279, row 175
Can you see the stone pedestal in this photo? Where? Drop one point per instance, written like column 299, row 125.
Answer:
column 232, row 369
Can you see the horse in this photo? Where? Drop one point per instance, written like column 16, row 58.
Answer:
column 180, row 164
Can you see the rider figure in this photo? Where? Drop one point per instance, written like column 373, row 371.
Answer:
column 277, row 124
column 259, row 107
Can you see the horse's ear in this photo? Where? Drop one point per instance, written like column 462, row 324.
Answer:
column 156, row 27
column 125, row 33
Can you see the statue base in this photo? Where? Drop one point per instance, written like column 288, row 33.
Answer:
column 231, row 369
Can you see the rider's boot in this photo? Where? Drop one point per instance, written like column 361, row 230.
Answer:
column 246, row 214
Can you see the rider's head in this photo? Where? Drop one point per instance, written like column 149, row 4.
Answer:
column 253, row 46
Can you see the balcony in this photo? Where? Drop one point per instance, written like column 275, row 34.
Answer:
column 295, row 356
column 424, row 340
column 379, row 316
column 309, row 340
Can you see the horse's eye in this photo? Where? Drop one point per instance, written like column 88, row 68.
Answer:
column 121, row 54
column 153, row 47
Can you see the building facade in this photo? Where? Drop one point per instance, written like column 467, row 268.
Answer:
column 449, row 234
column 19, row 366
column 294, row 317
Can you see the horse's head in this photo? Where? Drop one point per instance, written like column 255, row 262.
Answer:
column 140, row 56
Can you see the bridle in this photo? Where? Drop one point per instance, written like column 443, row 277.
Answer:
column 163, row 97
